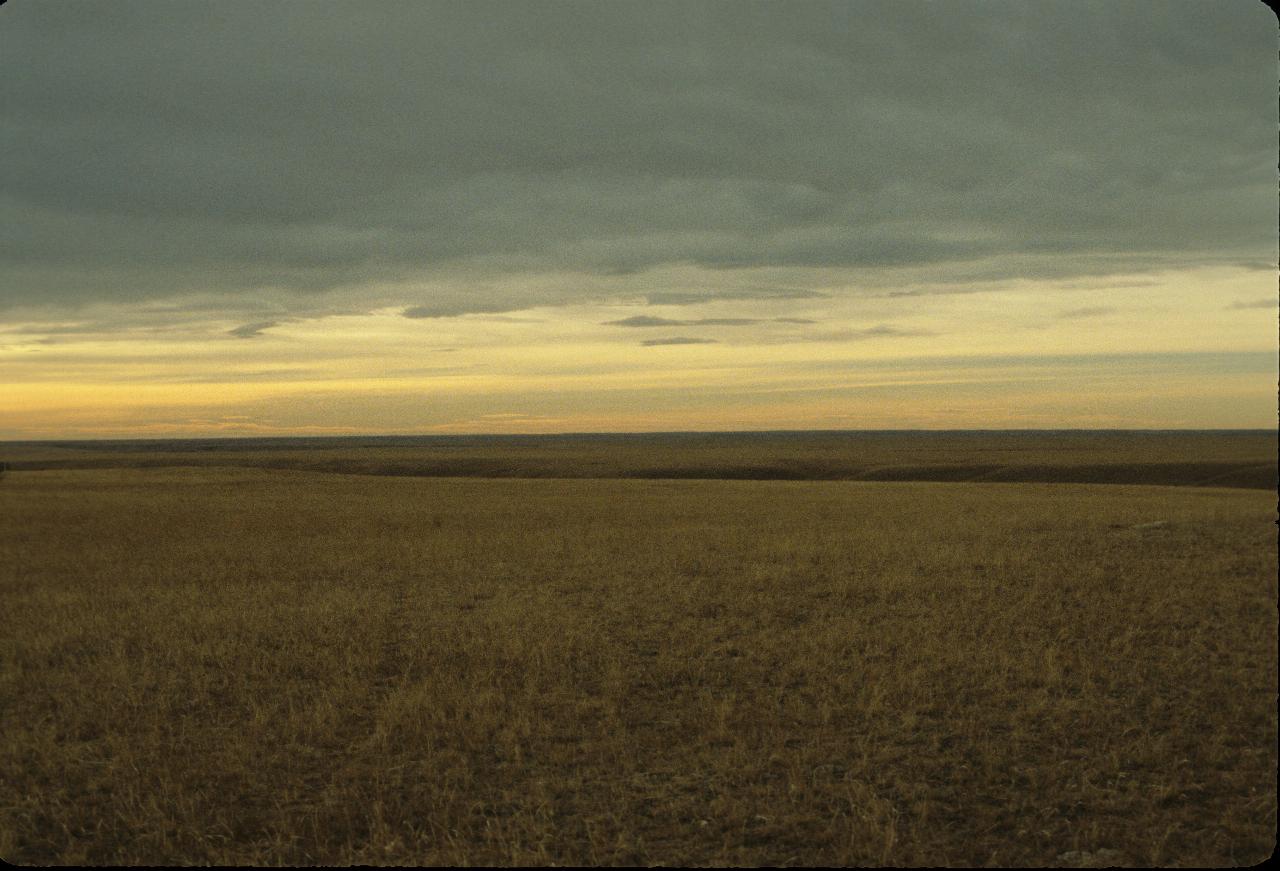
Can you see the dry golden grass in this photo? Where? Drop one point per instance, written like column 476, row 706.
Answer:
column 228, row 666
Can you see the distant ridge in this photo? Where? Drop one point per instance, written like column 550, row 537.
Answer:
column 1214, row 458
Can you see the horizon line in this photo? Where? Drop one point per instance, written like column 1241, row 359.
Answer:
column 638, row 433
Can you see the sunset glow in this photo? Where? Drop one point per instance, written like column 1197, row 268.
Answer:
column 1045, row 260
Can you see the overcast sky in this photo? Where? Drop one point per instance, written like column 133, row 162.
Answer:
column 474, row 216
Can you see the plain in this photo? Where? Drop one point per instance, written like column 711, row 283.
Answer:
column 231, row 665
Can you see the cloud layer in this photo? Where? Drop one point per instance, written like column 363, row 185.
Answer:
column 677, row 340
column 247, row 151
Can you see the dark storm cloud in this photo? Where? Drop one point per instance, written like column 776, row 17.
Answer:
column 154, row 149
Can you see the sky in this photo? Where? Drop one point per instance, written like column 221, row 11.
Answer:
column 328, row 218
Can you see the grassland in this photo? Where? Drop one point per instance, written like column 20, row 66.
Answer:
column 1244, row 458
column 235, row 665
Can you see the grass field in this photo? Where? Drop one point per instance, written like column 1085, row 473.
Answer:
column 226, row 664
column 1244, row 458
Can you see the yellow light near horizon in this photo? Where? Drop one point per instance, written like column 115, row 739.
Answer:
column 988, row 358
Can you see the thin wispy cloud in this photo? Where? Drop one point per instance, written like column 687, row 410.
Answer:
column 457, row 308
column 931, row 291
column 251, row 331
column 644, row 321
column 677, row 340
column 880, row 331
column 1085, row 312
column 695, row 297
column 1106, row 284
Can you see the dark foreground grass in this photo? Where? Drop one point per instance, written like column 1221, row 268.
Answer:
column 227, row 666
